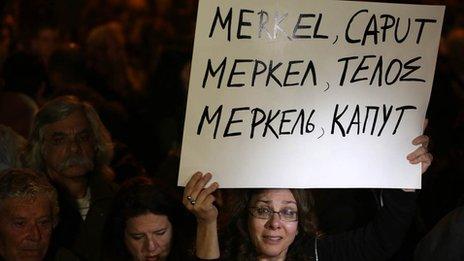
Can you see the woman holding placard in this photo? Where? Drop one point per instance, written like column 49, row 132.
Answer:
column 279, row 224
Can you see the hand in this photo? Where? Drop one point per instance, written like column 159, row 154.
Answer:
column 421, row 154
column 199, row 200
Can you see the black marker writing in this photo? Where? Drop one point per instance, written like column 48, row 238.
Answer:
column 380, row 27
column 356, row 119
column 245, row 72
column 372, row 67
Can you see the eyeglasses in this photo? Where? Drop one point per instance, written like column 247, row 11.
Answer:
column 286, row 214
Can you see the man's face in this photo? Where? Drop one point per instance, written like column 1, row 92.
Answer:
column 25, row 228
column 69, row 147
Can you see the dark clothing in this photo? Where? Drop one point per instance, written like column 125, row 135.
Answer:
column 84, row 237
column 357, row 207
column 445, row 241
column 379, row 239
column 57, row 255
column 376, row 241
column 64, row 255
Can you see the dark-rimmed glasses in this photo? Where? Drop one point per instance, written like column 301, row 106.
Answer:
column 285, row 214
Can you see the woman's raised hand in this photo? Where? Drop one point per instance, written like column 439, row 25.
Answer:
column 199, row 200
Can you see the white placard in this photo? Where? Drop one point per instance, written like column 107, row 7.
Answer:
column 309, row 94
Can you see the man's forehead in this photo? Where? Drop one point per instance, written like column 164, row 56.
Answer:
column 73, row 123
column 18, row 207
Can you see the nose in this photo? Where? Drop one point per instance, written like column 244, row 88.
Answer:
column 34, row 233
column 274, row 222
column 151, row 245
column 75, row 145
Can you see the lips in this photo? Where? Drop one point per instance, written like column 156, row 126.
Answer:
column 269, row 239
column 151, row 258
column 31, row 250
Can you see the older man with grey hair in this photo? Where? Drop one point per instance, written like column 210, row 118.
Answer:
column 28, row 213
column 72, row 147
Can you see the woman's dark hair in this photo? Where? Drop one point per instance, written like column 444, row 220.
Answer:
column 140, row 196
column 236, row 237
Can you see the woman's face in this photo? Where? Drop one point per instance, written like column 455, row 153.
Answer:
column 272, row 237
column 148, row 237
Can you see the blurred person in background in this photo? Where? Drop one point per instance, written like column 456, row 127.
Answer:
column 25, row 82
column 45, row 41
column 11, row 147
column 107, row 61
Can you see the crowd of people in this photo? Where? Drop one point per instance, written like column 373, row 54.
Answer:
column 92, row 104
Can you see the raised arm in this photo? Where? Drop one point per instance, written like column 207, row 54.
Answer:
column 199, row 200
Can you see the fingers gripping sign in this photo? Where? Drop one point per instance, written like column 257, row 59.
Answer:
column 199, row 199
column 421, row 154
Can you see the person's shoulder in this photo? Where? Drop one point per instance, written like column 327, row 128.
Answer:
column 457, row 213
column 453, row 222
column 61, row 254
column 64, row 254
column 445, row 239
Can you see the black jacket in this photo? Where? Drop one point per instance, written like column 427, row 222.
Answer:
column 84, row 237
column 445, row 241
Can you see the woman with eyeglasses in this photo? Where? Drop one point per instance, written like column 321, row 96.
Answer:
column 279, row 224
